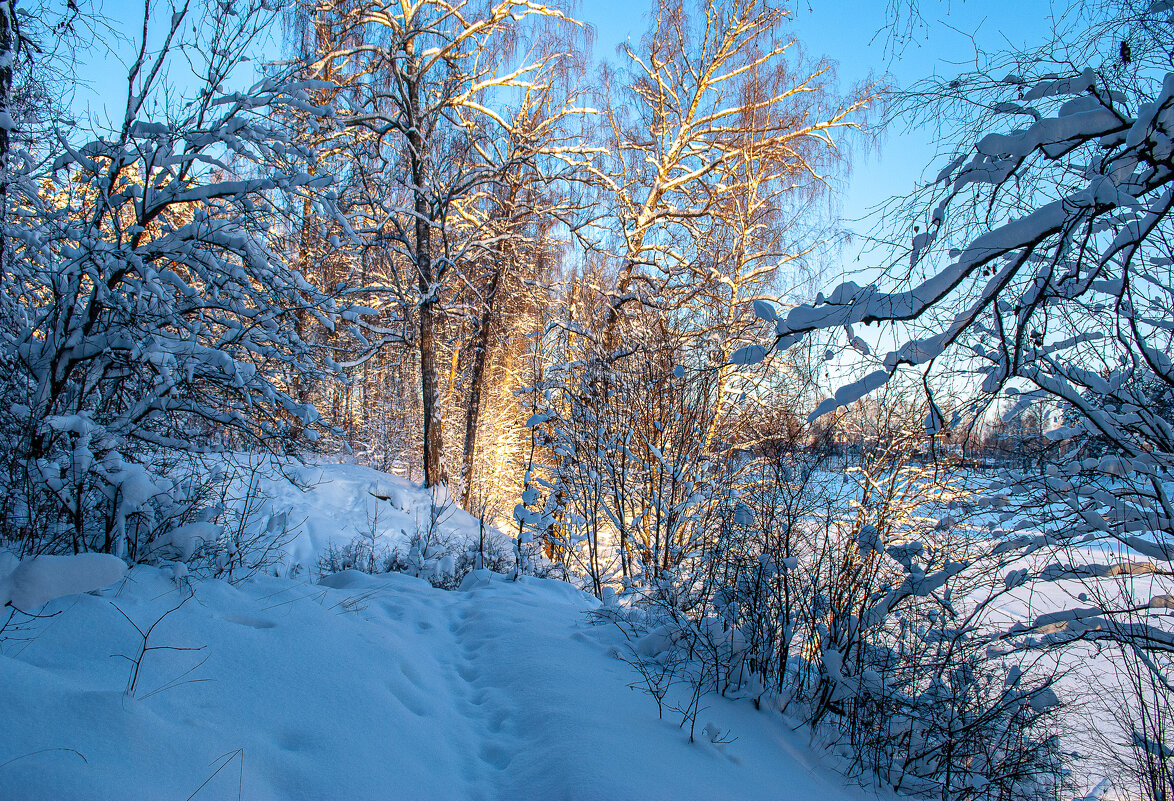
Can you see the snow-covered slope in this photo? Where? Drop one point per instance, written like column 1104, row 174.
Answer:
column 325, row 506
column 360, row 687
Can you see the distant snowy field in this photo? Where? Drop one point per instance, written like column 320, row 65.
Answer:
column 355, row 686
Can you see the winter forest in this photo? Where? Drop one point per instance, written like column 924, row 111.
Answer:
column 439, row 399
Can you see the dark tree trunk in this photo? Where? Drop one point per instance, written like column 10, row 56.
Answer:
column 434, row 473
column 9, row 47
column 9, row 42
column 477, row 387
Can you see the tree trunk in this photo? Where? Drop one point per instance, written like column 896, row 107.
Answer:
column 9, row 46
column 477, row 387
column 434, row 473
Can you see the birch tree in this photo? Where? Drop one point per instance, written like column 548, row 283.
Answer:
column 711, row 106
column 434, row 73
column 716, row 135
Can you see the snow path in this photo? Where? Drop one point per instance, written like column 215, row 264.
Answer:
column 487, row 709
column 363, row 687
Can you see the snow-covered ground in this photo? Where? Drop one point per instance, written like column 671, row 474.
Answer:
column 359, row 687
column 327, row 506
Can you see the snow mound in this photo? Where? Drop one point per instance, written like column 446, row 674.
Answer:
column 317, row 511
column 38, row 580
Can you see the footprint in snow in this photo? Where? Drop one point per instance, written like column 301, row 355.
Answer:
column 496, row 721
column 496, row 756
column 410, row 674
column 251, row 622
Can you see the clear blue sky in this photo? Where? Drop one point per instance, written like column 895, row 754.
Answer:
column 851, row 33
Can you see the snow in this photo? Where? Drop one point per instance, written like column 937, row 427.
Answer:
column 38, row 580
column 364, row 687
column 765, row 311
column 325, row 506
column 186, row 539
column 352, row 685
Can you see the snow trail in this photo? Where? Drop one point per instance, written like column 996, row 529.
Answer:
column 363, row 687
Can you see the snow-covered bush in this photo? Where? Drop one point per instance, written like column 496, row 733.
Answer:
column 634, row 471
column 1040, row 266
column 148, row 306
column 858, row 601
column 435, row 550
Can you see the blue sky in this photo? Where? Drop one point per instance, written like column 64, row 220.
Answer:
column 851, row 33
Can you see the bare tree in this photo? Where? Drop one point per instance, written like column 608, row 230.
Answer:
column 715, row 136
column 434, row 71
column 720, row 124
